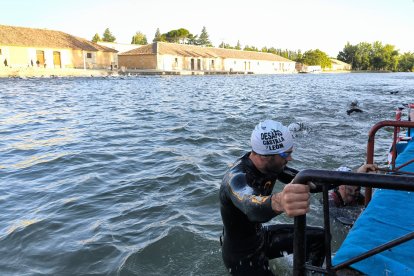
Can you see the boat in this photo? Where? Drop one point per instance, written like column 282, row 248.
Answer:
column 380, row 241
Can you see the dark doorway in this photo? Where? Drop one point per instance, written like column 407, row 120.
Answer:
column 56, row 59
column 40, row 56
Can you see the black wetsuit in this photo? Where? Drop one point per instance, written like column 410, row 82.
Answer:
column 245, row 203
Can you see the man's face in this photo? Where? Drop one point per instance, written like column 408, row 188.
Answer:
column 275, row 163
column 351, row 193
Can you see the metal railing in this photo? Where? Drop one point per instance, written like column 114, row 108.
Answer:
column 371, row 145
column 335, row 178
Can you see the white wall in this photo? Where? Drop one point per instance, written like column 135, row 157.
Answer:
column 259, row 66
column 167, row 63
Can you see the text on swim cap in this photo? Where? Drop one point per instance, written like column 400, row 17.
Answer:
column 273, row 140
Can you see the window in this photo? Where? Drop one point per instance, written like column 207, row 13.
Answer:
column 88, row 55
column 212, row 62
column 176, row 61
column 0, row 51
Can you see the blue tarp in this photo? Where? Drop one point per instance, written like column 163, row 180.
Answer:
column 389, row 215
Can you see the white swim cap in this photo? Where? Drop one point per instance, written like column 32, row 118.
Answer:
column 271, row 137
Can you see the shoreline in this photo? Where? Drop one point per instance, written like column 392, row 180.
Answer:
column 34, row 72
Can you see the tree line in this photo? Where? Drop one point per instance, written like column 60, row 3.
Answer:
column 362, row 56
column 376, row 56
column 181, row 35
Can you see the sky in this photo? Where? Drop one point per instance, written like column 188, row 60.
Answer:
column 287, row 24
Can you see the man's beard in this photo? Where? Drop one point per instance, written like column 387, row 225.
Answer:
column 274, row 172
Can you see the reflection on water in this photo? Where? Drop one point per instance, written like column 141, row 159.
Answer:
column 121, row 176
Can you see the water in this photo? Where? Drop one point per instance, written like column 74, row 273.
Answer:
column 120, row 176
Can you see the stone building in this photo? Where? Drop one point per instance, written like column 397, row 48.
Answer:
column 182, row 58
column 22, row 47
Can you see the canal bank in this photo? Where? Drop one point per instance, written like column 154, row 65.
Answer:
column 34, row 72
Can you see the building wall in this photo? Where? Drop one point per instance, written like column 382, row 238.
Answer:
column 177, row 63
column 171, row 63
column 103, row 60
column 92, row 60
column 339, row 67
column 15, row 56
column 138, row 62
column 259, row 66
column 19, row 57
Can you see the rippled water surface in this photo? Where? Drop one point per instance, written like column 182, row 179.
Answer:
column 121, row 175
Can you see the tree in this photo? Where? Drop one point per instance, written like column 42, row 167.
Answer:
column 406, row 62
column 348, row 54
column 192, row 39
column 299, row 57
column 96, row 38
column 177, row 36
column 377, row 56
column 107, row 36
column 183, row 35
column 390, row 56
column 362, row 58
column 383, row 57
column 272, row 50
column 225, row 45
column 250, row 48
column 164, row 38
column 157, row 36
column 139, row 38
column 317, row 57
column 172, row 36
column 238, row 45
column 204, row 38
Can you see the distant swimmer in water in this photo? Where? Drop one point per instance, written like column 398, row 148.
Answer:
column 299, row 129
column 296, row 127
column 353, row 107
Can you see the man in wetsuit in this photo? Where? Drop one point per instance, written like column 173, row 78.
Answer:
column 247, row 201
column 347, row 195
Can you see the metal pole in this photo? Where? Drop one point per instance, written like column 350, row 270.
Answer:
column 327, row 226
column 299, row 246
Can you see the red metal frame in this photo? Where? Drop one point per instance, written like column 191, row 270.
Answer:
column 371, row 142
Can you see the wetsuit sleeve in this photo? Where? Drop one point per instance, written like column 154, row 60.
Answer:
column 256, row 207
column 287, row 175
